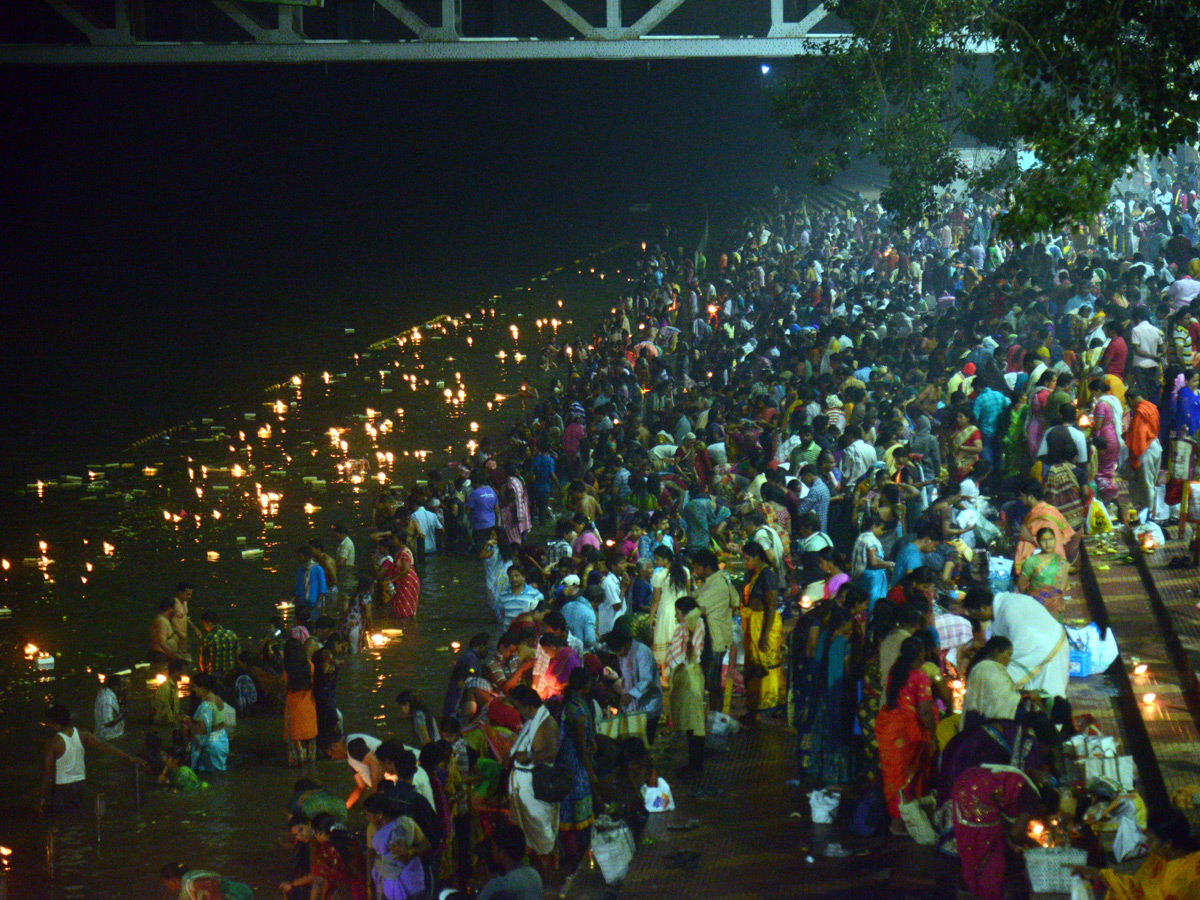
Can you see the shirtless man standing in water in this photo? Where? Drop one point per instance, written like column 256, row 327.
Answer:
column 168, row 631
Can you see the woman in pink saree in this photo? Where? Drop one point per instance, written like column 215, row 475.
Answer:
column 992, row 806
column 1037, row 411
column 1106, row 435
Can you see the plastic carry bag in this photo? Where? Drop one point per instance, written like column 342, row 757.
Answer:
column 824, row 806
column 1098, row 520
column 658, row 799
column 612, row 848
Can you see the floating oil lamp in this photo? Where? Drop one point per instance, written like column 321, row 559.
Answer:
column 378, row 640
column 295, row 381
column 455, row 646
column 5, row 564
column 237, row 471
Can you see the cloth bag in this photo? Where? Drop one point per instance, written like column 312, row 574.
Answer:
column 612, row 848
column 623, row 725
column 916, row 818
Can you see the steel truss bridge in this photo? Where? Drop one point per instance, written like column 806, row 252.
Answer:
column 162, row 32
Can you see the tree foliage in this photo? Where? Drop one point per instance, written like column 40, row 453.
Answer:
column 1084, row 86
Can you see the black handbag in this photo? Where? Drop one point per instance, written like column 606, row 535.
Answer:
column 551, row 784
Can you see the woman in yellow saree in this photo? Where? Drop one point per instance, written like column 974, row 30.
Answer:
column 766, row 687
column 1170, row 872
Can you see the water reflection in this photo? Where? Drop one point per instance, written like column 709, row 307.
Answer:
column 221, row 502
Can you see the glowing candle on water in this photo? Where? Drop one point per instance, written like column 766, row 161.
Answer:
column 160, row 678
column 378, row 640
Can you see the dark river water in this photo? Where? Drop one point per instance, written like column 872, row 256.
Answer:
column 173, row 242
column 222, row 502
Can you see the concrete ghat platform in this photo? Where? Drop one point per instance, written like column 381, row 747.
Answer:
column 754, row 833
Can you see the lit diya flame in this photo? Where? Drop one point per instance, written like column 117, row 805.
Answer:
column 806, row 601
column 160, row 678
column 1141, row 669
column 455, row 646
column 1085, row 421
column 1148, row 543
column 1149, row 698
column 378, row 640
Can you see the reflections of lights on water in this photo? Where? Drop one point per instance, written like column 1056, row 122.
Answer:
column 235, row 546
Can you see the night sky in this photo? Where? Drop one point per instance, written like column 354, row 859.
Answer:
column 173, row 238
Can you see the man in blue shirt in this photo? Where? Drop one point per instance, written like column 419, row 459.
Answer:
column 817, row 498
column 912, row 554
column 989, row 408
column 517, row 599
column 579, row 610
column 545, row 478
column 310, row 586
column 481, row 505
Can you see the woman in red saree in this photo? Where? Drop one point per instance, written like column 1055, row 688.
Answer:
column 404, row 580
column 905, row 729
column 966, row 443
column 992, row 807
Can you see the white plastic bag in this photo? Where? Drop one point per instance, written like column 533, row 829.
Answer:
column 1101, row 650
column 1130, row 841
column 612, row 848
column 824, row 806
column 1081, row 889
column 721, row 724
column 658, row 798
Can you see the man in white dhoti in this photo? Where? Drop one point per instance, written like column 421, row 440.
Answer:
column 1041, row 654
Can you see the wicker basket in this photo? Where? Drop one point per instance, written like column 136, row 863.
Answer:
column 1050, row 868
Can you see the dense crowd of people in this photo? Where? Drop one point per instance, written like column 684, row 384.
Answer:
column 834, row 477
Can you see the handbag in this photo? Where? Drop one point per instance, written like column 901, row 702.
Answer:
column 551, row 783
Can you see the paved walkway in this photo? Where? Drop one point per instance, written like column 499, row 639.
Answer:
column 753, row 831
column 1152, row 610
